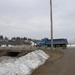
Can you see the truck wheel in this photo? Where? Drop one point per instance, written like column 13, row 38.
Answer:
column 63, row 46
column 57, row 46
column 54, row 46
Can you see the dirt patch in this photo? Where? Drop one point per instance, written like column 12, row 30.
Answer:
column 44, row 69
column 3, row 53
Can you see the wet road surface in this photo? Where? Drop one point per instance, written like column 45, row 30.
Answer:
column 66, row 65
column 63, row 66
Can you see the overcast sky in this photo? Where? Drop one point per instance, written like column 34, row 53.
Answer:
column 31, row 18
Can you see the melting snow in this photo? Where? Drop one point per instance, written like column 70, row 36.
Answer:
column 73, row 45
column 23, row 65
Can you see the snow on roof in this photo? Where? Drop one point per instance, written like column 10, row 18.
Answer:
column 25, row 64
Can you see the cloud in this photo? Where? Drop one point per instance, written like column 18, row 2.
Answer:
column 31, row 18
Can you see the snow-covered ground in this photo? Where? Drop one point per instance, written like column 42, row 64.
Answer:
column 73, row 45
column 7, row 46
column 23, row 65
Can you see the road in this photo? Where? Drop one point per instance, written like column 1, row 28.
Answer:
column 63, row 66
column 66, row 65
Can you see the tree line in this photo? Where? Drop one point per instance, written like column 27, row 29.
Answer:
column 16, row 40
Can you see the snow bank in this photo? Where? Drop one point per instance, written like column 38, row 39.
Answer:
column 25, row 64
column 3, row 46
column 73, row 45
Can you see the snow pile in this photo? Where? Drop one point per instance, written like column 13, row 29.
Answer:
column 73, row 45
column 24, row 65
column 3, row 46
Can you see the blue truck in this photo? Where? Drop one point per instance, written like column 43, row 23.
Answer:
column 56, row 43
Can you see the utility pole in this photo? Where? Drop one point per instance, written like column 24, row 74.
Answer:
column 51, row 24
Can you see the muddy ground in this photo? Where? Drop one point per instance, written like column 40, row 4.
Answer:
column 44, row 69
column 61, row 63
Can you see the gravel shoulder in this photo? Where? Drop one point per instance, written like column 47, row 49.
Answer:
column 45, row 69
